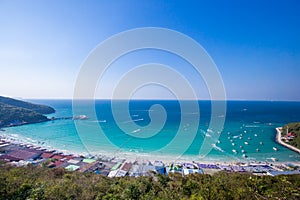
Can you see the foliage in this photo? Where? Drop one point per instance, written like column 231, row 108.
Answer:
column 15, row 112
column 42, row 109
column 39, row 183
column 18, row 116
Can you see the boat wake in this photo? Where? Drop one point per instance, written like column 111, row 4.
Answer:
column 134, row 120
column 217, row 148
column 135, row 131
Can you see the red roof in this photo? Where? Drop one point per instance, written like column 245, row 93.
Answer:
column 69, row 157
column 127, row 167
column 291, row 134
column 58, row 163
column 58, row 157
column 23, row 154
column 46, row 155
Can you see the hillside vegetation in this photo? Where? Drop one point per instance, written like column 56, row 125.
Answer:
column 293, row 128
column 40, row 183
column 15, row 112
column 42, row 109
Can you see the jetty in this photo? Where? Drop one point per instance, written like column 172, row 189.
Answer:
column 279, row 140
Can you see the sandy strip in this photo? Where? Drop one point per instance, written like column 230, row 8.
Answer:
column 140, row 157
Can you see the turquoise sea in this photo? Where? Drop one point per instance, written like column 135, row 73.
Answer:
column 249, row 129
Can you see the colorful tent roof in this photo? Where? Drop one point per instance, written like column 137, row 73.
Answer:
column 88, row 160
column 72, row 167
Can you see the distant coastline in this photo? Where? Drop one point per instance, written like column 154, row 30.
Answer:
column 15, row 112
column 279, row 140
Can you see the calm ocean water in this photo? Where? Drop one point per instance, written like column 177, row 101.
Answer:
column 249, row 129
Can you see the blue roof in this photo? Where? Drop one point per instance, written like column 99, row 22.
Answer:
column 276, row 173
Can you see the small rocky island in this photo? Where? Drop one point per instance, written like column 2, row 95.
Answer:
column 291, row 134
column 15, row 112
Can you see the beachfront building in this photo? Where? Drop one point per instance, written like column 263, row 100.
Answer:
column 174, row 168
column 159, row 167
column 114, row 170
column 124, row 169
column 72, row 167
column 191, row 171
column 21, row 154
column 143, row 169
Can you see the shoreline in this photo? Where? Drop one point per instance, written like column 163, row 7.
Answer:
column 129, row 156
column 17, row 153
column 278, row 140
column 140, row 157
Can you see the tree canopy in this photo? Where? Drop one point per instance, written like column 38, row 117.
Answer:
column 40, row 183
column 16, row 112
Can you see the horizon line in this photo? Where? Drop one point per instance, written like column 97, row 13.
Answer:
column 158, row 99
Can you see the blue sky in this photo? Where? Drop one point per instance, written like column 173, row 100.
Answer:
column 255, row 44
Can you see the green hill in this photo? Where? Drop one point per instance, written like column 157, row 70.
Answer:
column 15, row 112
column 42, row 109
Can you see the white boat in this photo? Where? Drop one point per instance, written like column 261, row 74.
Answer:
column 255, row 135
column 261, row 143
column 245, row 156
column 232, row 144
column 246, row 143
column 257, row 150
column 80, row 117
column 207, row 135
column 243, row 151
column 275, row 149
column 137, row 130
column 234, row 151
